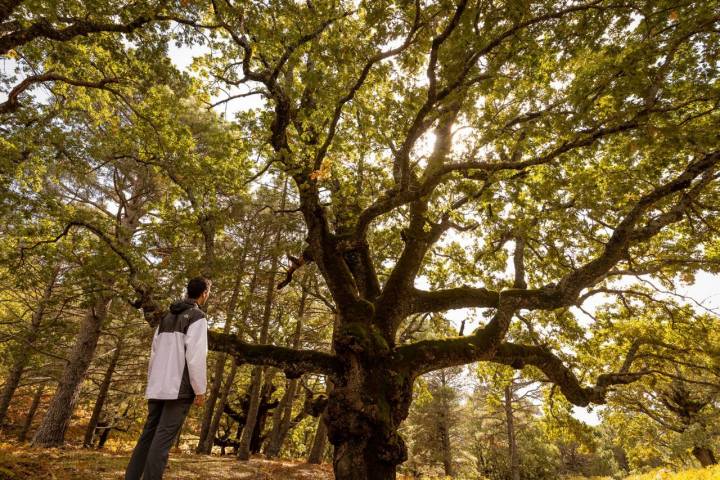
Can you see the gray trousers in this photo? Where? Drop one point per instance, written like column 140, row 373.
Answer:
column 165, row 418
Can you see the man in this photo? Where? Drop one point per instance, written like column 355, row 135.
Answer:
column 176, row 377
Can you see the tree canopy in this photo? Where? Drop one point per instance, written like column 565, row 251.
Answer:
column 518, row 160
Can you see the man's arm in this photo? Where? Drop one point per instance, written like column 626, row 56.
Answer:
column 196, row 349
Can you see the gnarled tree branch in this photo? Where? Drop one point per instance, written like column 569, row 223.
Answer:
column 13, row 103
column 293, row 362
column 690, row 183
column 44, row 29
column 452, row 298
column 518, row 356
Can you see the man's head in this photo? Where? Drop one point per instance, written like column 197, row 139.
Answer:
column 198, row 289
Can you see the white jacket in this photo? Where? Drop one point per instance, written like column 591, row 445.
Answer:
column 178, row 360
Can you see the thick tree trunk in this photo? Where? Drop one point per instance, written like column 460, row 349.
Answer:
column 365, row 409
column 24, row 350
column 705, row 456
column 319, row 442
column 366, row 403
column 512, row 443
column 102, row 395
column 31, row 413
column 51, row 432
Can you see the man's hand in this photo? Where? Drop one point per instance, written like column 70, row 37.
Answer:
column 199, row 400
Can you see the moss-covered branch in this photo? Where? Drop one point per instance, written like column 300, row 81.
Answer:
column 292, row 362
column 429, row 355
column 453, row 298
column 519, row 356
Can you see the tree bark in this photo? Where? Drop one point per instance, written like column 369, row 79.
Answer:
column 110, row 426
column 365, row 408
column 512, row 443
column 705, row 456
column 256, row 378
column 51, row 432
column 31, row 413
column 319, row 442
column 217, row 416
column 281, row 420
column 621, row 458
column 219, row 365
column 206, row 442
column 257, row 374
column 445, row 427
column 102, row 395
column 283, row 415
column 24, row 350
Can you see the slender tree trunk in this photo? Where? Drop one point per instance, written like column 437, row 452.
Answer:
column 24, row 350
column 256, row 378
column 705, row 456
column 211, row 401
column 266, row 404
column 102, row 395
column 209, row 438
column 621, row 458
column 281, row 420
column 220, row 364
column 445, row 428
column 512, row 443
column 319, row 444
column 31, row 413
column 321, row 432
column 51, row 432
column 283, row 415
column 257, row 374
column 12, row 381
column 110, row 426
column 271, row 448
column 217, row 416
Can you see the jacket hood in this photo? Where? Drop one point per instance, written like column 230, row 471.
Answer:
column 181, row 305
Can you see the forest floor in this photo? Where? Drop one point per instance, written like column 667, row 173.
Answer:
column 22, row 462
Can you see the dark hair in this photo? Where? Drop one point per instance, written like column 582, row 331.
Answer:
column 197, row 286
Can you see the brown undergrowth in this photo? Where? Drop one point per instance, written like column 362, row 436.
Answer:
column 19, row 462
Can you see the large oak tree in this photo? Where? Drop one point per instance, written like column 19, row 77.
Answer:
column 580, row 136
